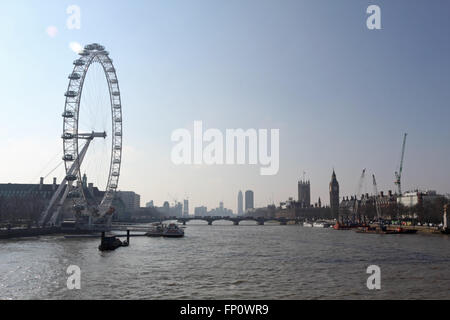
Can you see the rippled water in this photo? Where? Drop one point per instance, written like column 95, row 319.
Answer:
column 231, row 262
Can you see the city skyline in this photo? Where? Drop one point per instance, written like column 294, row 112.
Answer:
column 341, row 95
column 225, row 155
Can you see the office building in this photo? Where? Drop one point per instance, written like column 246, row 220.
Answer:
column 249, row 200
column 240, row 202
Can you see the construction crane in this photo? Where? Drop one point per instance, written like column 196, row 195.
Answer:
column 377, row 207
column 173, row 198
column 358, row 193
column 360, row 182
column 398, row 174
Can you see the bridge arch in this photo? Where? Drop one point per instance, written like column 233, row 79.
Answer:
column 196, row 221
column 248, row 222
column 222, row 222
column 166, row 221
column 273, row 221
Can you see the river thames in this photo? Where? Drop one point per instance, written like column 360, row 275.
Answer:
column 231, row 262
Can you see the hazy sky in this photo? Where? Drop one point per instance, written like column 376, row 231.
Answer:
column 341, row 95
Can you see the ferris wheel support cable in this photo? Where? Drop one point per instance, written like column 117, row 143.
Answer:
column 61, row 187
column 53, row 170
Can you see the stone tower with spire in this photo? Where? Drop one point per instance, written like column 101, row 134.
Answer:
column 334, row 195
column 304, row 193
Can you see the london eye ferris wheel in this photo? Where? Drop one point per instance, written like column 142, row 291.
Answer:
column 82, row 118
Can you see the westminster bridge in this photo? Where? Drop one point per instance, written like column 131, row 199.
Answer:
column 236, row 220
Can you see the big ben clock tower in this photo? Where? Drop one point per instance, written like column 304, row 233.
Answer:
column 334, row 196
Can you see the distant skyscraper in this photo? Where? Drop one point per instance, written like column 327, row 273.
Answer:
column 249, row 200
column 304, row 193
column 334, row 196
column 178, row 209
column 201, row 211
column 240, row 203
column 186, row 208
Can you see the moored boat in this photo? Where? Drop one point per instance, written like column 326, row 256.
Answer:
column 111, row 242
column 157, row 230
column 307, row 224
column 341, row 226
column 405, row 231
column 321, row 224
column 384, row 230
column 173, row 231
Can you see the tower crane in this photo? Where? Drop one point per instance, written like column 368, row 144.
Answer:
column 398, row 174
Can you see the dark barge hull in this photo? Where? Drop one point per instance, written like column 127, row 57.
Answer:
column 407, row 231
column 173, row 236
column 28, row 233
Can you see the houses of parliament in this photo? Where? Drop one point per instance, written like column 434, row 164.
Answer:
column 304, row 195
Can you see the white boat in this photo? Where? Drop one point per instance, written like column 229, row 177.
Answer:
column 173, row 231
column 156, row 230
column 307, row 224
column 321, row 224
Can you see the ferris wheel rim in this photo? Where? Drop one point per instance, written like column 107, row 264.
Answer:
column 91, row 54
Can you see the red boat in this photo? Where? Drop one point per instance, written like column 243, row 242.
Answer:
column 341, row 226
column 384, row 230
column 405, row 231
